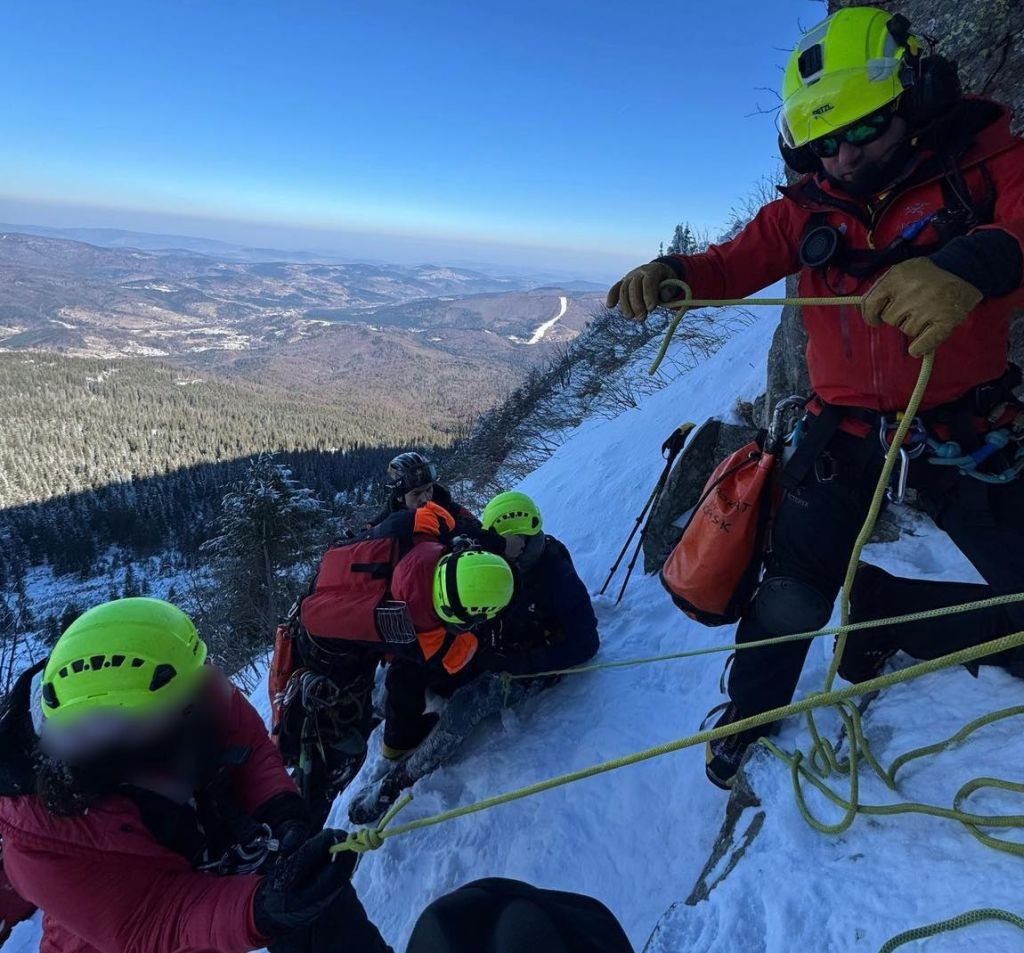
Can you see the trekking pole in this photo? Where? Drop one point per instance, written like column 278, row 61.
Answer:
column 670, row 449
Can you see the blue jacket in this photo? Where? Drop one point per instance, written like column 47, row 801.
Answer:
column 550, row 623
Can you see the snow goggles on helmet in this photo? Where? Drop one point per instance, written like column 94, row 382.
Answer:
column 858, row 133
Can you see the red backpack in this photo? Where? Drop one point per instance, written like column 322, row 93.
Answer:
column 350, row 600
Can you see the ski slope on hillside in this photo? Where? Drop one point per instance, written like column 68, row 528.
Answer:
column 638, row 838
column 538, row 335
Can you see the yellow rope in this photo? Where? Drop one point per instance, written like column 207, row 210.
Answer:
column 823, row 752
column 687, row 302
column 923, row 616
column 954, row 923
column 810, row 703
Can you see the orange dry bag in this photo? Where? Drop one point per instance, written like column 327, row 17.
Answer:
column 713, row 571
column 282, row 666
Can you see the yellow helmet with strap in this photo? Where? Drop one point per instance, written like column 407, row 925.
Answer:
column 848, row 66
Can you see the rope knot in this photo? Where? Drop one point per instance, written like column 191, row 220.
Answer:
column 371, row 838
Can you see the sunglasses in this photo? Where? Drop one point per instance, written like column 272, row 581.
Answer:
column 858, row 133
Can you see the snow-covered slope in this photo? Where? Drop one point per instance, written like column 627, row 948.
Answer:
column 638, row 838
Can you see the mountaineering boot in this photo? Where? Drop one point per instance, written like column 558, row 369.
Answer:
column 412, row 738
column 725, row 755
column 372, row 801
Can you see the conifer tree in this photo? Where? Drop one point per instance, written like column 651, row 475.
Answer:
column 267, row 525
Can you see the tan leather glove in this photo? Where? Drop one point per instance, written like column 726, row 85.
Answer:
column 926, row 302
column 637, row 293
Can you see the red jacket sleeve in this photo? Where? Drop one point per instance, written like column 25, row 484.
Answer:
column 120, row 901
column 1007, row 171
column 766, row 250
column 263, row 774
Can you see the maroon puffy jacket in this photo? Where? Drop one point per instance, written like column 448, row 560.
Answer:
column 107, row 886
column 850, row 363
column 13, row 908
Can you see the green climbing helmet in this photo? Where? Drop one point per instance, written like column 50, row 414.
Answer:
column 124, row 661
column 471, row 587
column 849, row 66
column 513, row 514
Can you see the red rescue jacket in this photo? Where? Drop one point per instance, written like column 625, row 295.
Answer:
column 107, row 886
column 850, row 363
column 412, row 582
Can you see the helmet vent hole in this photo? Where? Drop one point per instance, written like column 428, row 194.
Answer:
column 50, row 695
column 78, row 665
column 117, row 660
column 97, row 661
column 161, row 676
column 138, row 663
column 811, row 61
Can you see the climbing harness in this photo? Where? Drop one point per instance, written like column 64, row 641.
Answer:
column 670, row 449
column 247, row 858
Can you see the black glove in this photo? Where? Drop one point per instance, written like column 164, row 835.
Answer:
column 288, row 818
column 301, row 887
column 290, row 836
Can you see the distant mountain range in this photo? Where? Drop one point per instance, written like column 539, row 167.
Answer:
column 227, row 251
column 424, row 347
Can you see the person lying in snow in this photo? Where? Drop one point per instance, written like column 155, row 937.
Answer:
column 144, row 807
column 549, row 625
column 913, row 195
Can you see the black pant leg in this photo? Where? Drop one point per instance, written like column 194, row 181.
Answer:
column 406, row 702
column 812, row 537
column 986, row 522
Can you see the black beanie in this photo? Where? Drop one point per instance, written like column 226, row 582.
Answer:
column 508, row 916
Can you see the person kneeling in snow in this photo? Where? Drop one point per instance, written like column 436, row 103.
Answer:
column 143, row 806
column 549, row 625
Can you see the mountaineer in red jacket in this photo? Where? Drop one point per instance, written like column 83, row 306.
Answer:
column 144, row 808
column 912, row 195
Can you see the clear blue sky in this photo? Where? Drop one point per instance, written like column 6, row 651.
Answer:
column 578, row 132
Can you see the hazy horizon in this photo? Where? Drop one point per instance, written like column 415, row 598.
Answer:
column 553, row 136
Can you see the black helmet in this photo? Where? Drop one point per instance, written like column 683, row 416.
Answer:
column 409, row 471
